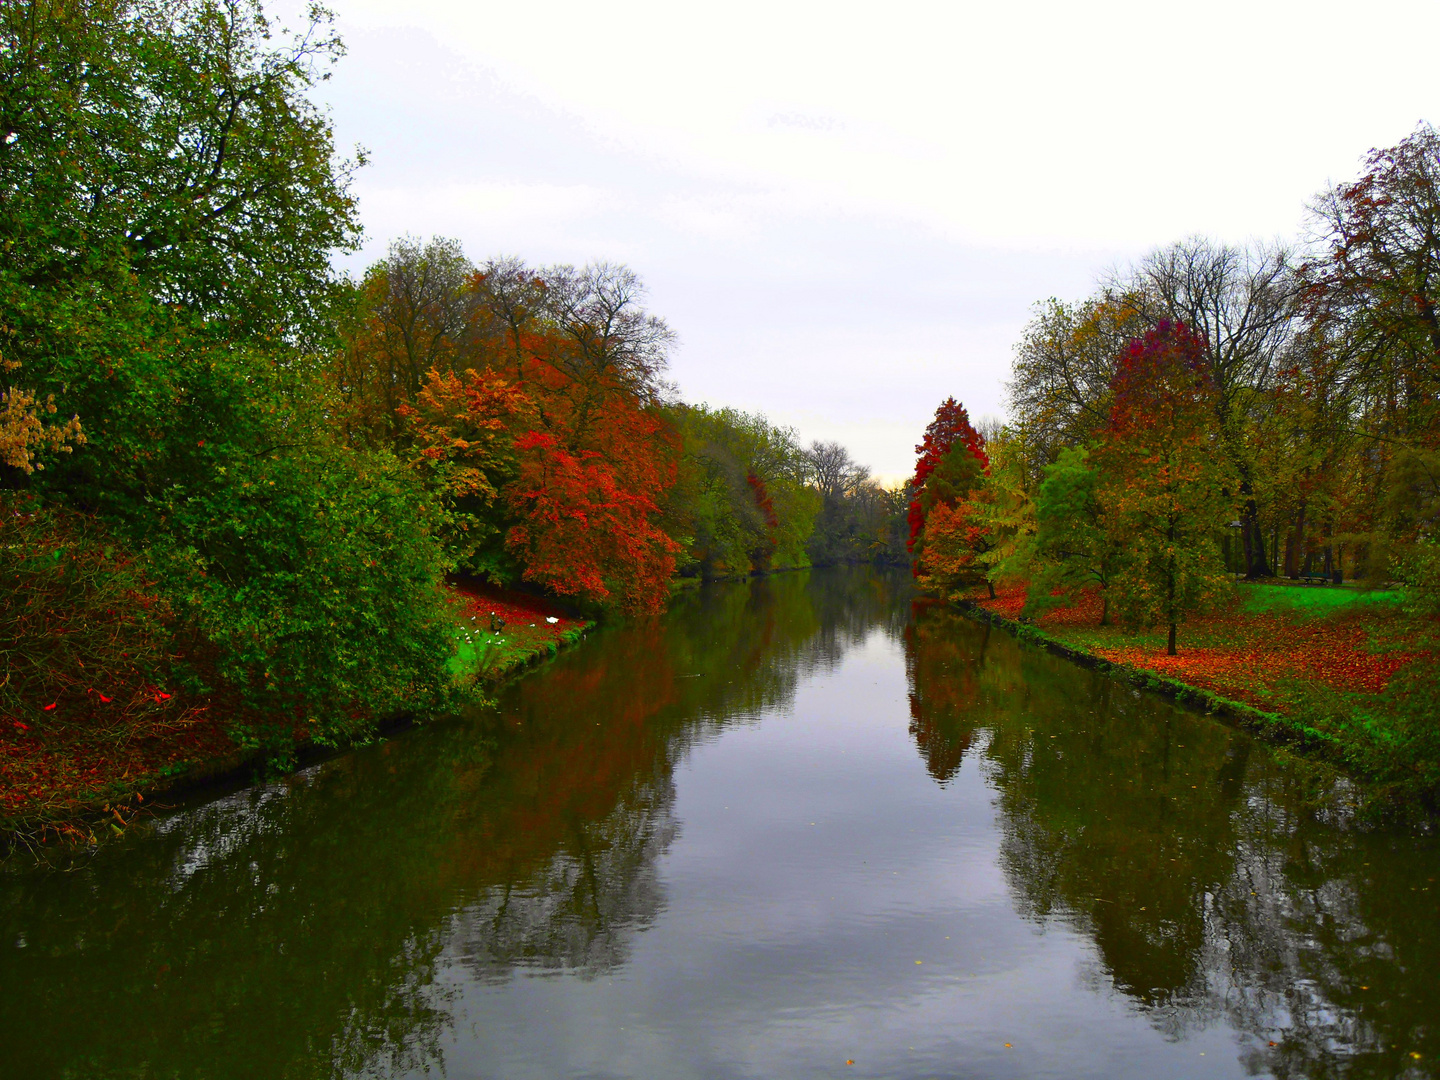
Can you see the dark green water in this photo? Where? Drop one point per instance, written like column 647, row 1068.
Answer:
column 796, row 822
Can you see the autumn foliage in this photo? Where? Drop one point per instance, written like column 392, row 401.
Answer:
column 948, row 430
column 1217, row 413
column 1162, row 482
column 947, row 537
column 529, row 402
column 582, row 533
column 244, row 475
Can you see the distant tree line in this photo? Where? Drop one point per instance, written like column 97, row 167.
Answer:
column 472, row 370
column 1213, row 411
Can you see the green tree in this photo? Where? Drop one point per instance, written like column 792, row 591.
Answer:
column 1162, row 480
column 172, row 140
column 169, row 202
column 166, row 186
column 313, row 574
column 741, row 500
column 1005, row 505
column 1074, row 549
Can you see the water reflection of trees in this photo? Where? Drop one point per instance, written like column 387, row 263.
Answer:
column 578, row 910
column 722, row 654
column 317, row 910
column 1218, row 880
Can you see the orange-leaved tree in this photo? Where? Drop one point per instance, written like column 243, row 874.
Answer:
column 464, row 429
column 1163, row 481
column 955, row 543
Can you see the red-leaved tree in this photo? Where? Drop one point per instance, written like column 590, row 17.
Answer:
column 584, row 532
column 946, row 536
column 950, row 428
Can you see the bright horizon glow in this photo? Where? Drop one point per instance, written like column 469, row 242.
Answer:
column 846, row 212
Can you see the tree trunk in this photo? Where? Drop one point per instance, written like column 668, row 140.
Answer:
column 1295, row 544
column 1170, row 584
column 1252, row 539
column 1104, row 608
column 991, row 586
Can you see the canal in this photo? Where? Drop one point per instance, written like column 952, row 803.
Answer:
column 803, row 826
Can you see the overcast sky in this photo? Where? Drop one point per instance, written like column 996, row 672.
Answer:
column 846, row 211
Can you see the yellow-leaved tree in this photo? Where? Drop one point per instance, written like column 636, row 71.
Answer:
column 23, row 430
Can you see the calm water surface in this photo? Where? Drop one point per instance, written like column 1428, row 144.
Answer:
column 796, row 823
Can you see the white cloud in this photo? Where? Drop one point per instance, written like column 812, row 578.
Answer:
column 851, row 205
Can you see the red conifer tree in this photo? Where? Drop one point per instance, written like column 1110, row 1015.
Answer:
column 950, row 428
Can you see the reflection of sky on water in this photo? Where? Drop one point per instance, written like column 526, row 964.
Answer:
column 786, row 947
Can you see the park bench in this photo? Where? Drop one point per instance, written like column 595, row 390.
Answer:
column 1314, row 579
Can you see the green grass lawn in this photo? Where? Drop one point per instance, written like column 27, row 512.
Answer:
column 532, row 627
column 1316, row 600
column 1341, row 666
column 487, row 655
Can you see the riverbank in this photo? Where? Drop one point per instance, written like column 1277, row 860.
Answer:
column 69, row 783
column 502, row 632
column 1319, row 669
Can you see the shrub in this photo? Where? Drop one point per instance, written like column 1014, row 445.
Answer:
column 85, row 637
column 316, row 573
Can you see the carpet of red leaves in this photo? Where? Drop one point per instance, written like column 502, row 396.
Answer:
column 46, row 774
column 1237, row 654
column 51, row 774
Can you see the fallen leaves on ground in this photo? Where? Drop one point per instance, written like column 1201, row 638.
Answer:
column 531, row 625
column 1237, row 654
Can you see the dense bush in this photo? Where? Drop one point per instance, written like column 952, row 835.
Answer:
column 316, row 573
column 85, row 636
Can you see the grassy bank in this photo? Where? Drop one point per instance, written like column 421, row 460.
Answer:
column 1320, row 668
column 73, row 782
column 528, row 629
